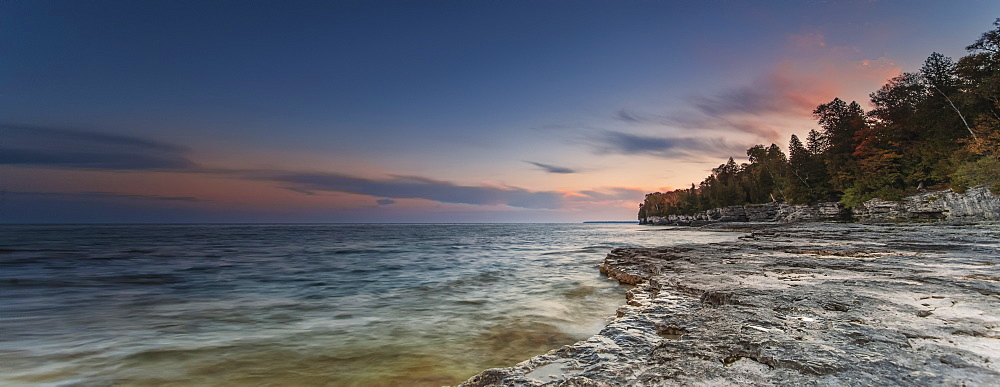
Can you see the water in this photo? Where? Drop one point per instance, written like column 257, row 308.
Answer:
column 357, row 304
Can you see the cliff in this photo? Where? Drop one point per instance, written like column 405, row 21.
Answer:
column 975, row 204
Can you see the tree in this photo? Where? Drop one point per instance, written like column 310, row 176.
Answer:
column 878, row 163
column 815, row 142
column 989, row 42
column 938, row 74
column 769, row 169
column 980, row 70
column 840, row 122
column 895, row 125
column 808, row 182
column 896, row 102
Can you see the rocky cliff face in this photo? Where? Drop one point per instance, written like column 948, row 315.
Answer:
column 973, row 205
column 769, row 212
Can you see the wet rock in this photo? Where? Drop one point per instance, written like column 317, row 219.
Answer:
column 798, row 304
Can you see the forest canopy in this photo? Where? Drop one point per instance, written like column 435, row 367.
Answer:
column 937, row 127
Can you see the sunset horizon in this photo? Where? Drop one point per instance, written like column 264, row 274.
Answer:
column 166, row 112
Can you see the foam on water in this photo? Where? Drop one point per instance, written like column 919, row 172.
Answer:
column 300, row 304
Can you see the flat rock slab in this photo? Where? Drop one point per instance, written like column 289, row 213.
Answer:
column 801, row 304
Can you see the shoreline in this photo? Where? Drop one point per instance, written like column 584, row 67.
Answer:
column 806, row 303
column 976, row 204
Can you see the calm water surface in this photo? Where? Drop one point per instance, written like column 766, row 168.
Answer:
column 343, row 305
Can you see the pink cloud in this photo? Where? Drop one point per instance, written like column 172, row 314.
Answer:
column 780, row 101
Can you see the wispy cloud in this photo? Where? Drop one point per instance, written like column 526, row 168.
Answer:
column 414, row 187
column 765, row 96
column 98, row 194
column 75, row 149
column 782, row 99
column 666, row 147
column 552, row 168
column 629, row 116
column 616, row 193
column 752, row 108
column 389, row 190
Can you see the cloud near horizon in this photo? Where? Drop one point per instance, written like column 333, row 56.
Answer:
column 76, row 149
column 616, row 194
column 101, row 194
column 414, row 187
column 65, row 149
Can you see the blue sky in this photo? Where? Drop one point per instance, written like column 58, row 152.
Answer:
column 421, row 111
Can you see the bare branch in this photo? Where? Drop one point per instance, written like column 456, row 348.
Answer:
column 955, row 108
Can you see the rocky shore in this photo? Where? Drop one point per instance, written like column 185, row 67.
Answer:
column 975, row 204
column 795, row 304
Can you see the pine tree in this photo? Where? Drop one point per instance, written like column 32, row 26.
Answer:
column 840, row 122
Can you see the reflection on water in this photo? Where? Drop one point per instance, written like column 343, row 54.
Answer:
column 300, row 304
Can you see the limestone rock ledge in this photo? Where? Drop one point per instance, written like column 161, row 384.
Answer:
column 800, row 304
column 976, row 204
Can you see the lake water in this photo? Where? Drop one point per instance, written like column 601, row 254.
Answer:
column 339, row 304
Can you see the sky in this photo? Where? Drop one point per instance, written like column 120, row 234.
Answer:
column 432, row 111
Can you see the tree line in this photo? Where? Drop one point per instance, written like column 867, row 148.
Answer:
column 937, row 127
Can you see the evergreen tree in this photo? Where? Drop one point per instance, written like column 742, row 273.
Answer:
column 815, row 142
column 841, row 123
column 808, row 181
column 769, row 169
